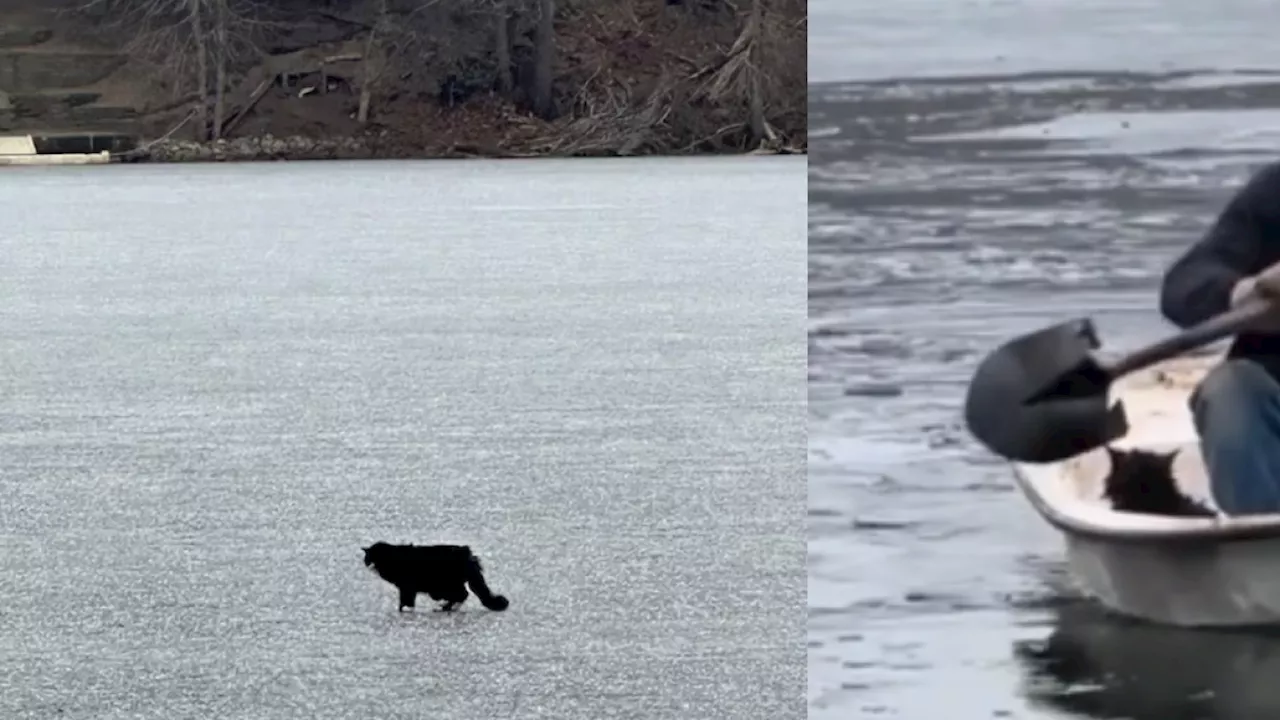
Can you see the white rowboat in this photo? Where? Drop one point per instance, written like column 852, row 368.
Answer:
column 1182, row 571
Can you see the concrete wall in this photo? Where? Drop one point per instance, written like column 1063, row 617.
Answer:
column 84, row 143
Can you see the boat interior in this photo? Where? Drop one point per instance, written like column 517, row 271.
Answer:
column 1070, row 494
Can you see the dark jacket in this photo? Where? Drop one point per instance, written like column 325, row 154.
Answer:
column 1244, row 240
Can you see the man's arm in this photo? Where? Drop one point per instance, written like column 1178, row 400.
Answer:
column 1200, row 284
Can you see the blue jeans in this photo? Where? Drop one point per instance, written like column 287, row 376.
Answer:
column 1236, row 409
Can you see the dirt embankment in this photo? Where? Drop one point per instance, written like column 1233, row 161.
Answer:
column 292, row 79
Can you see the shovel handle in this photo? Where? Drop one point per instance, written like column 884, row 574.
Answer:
column 1210, row 331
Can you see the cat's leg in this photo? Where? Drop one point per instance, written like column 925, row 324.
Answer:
column 407, row 598
column 454, row 598
column 1237, row 414
column 436, row 595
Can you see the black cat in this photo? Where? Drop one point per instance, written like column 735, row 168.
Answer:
column 441, row 571
column 1142, row 482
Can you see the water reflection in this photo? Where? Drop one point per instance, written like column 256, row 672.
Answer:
column 1097, row 665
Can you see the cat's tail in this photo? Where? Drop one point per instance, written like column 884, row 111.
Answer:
column 475, row 579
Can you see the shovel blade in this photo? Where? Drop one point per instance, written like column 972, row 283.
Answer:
column 1043, row 398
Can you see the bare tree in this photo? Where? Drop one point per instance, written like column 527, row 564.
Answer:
column 544, row 38
column 505, row 17
column 503, row 27
column 195, row 18
column 755, row 93
column 221, row 53
column 374, row 63
column 758, row 67
column 395, row 40
column 190, row 44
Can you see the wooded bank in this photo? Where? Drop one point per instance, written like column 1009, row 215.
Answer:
column 463, row 77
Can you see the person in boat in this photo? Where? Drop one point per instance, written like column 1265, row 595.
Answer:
column 1236, row 407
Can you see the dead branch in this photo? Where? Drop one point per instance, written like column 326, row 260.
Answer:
column 610, row 122
column 754, row 70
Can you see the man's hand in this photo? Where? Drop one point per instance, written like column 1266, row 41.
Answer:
column 1267, row 282
column 1263, row 286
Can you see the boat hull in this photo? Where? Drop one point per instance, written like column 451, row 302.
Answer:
column 1193, row 584
column 1191, row 572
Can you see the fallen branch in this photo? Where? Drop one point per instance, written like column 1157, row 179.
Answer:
column 258, row 93
column 144, row 149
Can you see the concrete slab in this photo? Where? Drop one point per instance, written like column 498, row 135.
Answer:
column 17, row 145
column 101, row 158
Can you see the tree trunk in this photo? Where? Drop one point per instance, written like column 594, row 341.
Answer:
column 502, row 49
column 544, row 60
column 220, row 69
column 201, row 43
column 372, row 67
column 755, row 99
column 366, row 81
column 513, row 31
column 219, row 94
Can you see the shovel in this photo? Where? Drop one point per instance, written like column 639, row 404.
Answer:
column 1042, row 397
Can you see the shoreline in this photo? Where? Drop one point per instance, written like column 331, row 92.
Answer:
column 270, row 148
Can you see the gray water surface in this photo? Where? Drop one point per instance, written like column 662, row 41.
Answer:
column 219, row 382
column 947, row 38
column 983, row 169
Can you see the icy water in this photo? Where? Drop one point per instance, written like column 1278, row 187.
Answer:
column 1021, row 163
column 220, row 382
